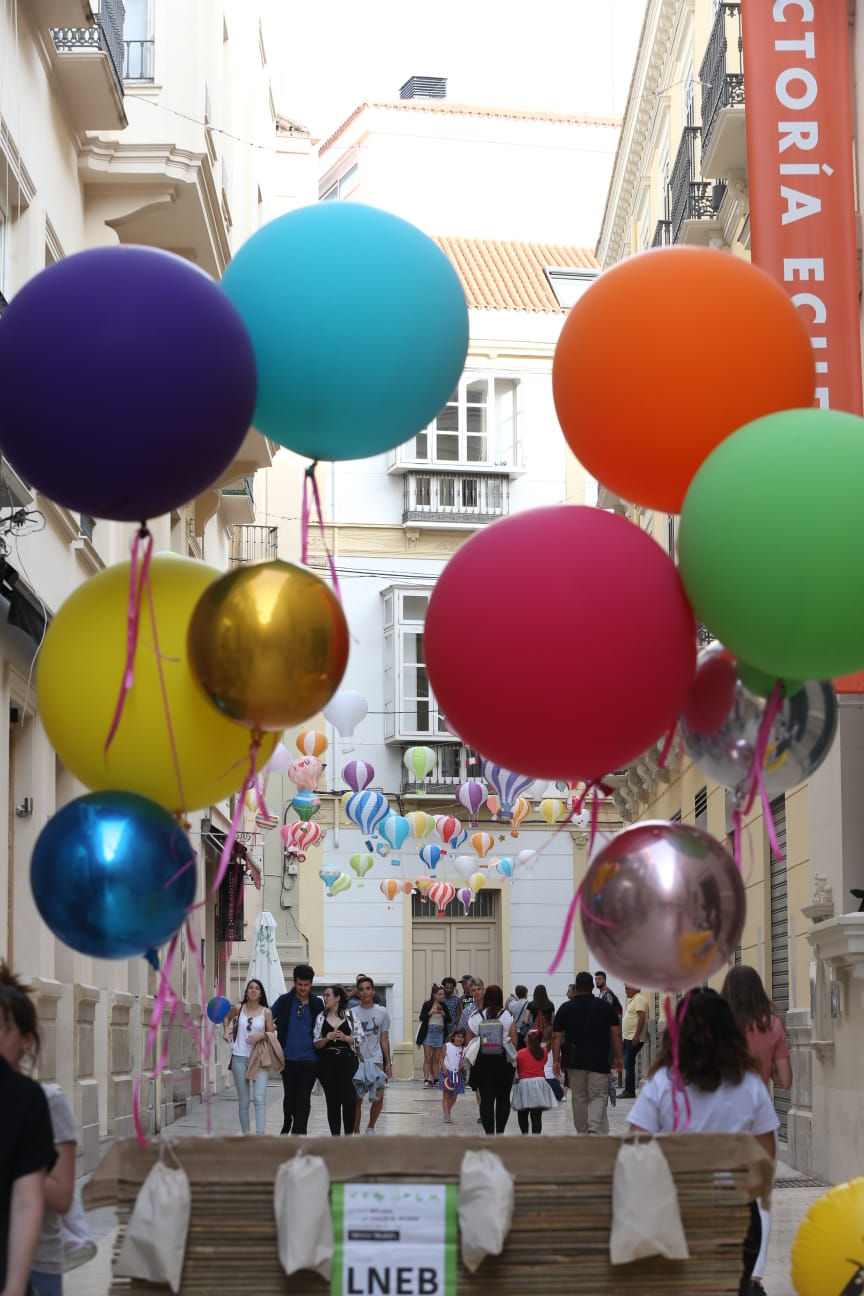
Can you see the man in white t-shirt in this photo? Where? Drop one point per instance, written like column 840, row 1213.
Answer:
column 375, row 1022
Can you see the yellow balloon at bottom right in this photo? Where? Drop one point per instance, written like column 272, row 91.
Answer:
column 828, row 1251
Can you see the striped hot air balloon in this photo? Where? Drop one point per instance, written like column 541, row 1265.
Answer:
column 312, row 742
column 430, row 854
column 482, row 843
column 393, row 829
column 441, row 893
column 358, row 775
column 447, row 826
column 507, row 785
column 366, row 809
column 421, row 824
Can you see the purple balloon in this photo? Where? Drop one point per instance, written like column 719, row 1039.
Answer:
column 128, row 382
column 471, row 794
column 358, row 775
column 663, row 906
column 507, row 785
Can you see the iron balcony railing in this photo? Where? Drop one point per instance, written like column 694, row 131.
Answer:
column 662, row 234
column 253, row 544
column 722, row 74
column 106, row 34
column 138, row 60
column 472, row 498
column 690, row 197
column 87, row 525
column 704, row 636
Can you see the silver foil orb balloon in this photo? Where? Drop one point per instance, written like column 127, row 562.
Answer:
column 663, row 906
column 721, row 724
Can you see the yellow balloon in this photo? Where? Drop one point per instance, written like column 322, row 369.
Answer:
column 828, row 1251
column 268, row 642
column 476, row 882
column 342, row 883
column 81, row 667
column 552, row 809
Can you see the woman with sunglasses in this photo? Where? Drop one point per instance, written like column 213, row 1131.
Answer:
column 254, row 1022
column 337, row 1037
column 19, row 1040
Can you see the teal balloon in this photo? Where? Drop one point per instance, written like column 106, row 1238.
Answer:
column 218, row 1009
column 113, row 875
column 770, row 544
column 359, row 327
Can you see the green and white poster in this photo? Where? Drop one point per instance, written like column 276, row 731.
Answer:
column 394, row 1239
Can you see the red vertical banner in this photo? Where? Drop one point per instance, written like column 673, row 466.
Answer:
column 801, row 181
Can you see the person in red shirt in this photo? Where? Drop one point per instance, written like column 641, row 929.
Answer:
column 532, row 1095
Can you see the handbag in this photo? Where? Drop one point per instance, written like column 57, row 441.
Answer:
column 646, row 1219
column 154, row 1245
column 472, row 1048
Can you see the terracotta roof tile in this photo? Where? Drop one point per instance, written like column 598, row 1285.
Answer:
column 499, row 275
column 444, row 107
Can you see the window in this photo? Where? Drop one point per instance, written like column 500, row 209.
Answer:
column 410, row 709
column 138, row 41
column 480, row 424
column 341, row 188
column 569, row 284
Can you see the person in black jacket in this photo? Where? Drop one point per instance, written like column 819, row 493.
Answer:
column 294, row 1014
column 435, row 1026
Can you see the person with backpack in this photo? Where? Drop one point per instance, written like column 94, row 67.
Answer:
column 541, row 1013
column 517, row 1006
column 492, row 1070
column 532, row 1095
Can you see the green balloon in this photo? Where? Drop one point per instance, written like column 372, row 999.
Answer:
column 771, row 544
column 762, row 682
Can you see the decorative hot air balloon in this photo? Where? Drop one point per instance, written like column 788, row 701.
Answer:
column 466, row 897
column 342, row 883
column 482, row 843
column 552, row 809
column 506, row 867
column 421, row 824
column 299, row 836
column 394, row 828
column 447, row 826
column 361, row 864
column 458, row 838
column 367, row 809
column 305, row 805
column 420, row 761
column 430, row 855
column 278, row 762
column 312, row 742
column 526, row 862
column 328, row 876
column 476, row 882
column 441, row 893
column 507, row 785
column 421, row 886
column 465, row 865
column 305, row 773
column 407, row 886
column 265, row 820
column 521, row 807
column 471, row 794
column 493, row 805
column 345, row 710
column 358, row 775
column 389, row 888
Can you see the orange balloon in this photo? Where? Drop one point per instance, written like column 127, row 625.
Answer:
column 311, row 742
column 640, row 395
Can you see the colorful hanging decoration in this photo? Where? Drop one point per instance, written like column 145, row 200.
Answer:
column 342, row 883
column 430, row 854
column 552, row 809
column 466, row 897
column 305, row 805
column 390, row 889
column 329, row 875
column 305, row 772
column 421, row 886
column 482, row 843
column 358, row 774
column 420, row 761
column 366, row 810
column 298, row 836
column 521, row 807
column 441, row 893
column 393, row 829
column 422, row 825
column 471, row 794
column 345, row 710
column 361, row 863
column 447, row 827
column 311, row 742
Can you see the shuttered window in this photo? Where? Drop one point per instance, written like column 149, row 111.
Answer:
column 780, row 941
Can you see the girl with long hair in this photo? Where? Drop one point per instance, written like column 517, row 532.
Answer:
column 723, row 1085
column 254, row 1021
column 452, row 1079
column 492, row 1071
column 19, row 1040
column 766, row 1039
column 541, row 1013
column 336, row 1038
column 434, row 1028
column 532, row 1095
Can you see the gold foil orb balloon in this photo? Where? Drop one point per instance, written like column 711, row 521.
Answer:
column 268, row 643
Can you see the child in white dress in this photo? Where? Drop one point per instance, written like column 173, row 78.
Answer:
column 452, row 1079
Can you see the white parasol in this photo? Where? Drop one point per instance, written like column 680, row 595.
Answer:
column 264, row 965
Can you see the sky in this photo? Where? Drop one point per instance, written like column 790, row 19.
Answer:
column 572, row 56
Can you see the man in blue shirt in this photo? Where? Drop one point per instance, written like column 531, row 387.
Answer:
column 294, row 1014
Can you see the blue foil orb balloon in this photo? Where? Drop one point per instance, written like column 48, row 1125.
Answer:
column 359, row 326
column 113, row 875
column 218, row 1008
column 175, row 392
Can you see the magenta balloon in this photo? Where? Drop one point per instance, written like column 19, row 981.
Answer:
column 358, row 775
column 663, row 906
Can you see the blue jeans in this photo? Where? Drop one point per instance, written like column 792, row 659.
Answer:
column 46, row 1284
column 631, row 1052
column 259, row 1094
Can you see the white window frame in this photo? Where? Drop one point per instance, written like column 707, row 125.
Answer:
column 400, row 705
column 569, row 283
column 502, row 389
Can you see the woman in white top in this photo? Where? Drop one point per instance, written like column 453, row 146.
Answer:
column 254, row 1022
column 723, row 1086
column 492, row 1071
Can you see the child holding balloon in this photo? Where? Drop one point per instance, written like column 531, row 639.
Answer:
column 452, row 1078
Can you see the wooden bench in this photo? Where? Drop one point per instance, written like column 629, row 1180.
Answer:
column 559, row 1241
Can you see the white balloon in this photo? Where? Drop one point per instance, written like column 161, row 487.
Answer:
column 345, row 710
column 280, row 761
column 526, row 861
column 465, row 865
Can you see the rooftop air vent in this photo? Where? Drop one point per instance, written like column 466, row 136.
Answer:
column 418, row 87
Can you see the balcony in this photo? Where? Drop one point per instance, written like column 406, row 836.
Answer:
column 253, row 544
column 662, row 234
column 138, row 60
column 724, row 146
column 455, row 764
column 238, row 503
column 62, row 13
column 694, row 203
column 89, row 66
column 454, row 499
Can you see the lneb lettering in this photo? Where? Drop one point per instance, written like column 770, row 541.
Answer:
column 402, row 1280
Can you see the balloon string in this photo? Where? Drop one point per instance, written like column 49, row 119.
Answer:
column 208, row 1028
column 310, row 484
column 165, row 995
column 164, row 691
column 667, row 747
column 231, row 838
column 736, row 837
column 673, row 1026
column 755, row 781
column 137, row 577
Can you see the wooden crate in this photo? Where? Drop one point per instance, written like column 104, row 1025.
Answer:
column 563, row 1210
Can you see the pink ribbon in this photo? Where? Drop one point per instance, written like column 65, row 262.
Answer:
column 667, row 746
column 164, row 691
column 754, row 781
column 679, row 1088
column 310, row 483
column 138, row 578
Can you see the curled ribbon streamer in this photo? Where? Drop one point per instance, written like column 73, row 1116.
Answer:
column 165, row 996
column 667, row 747
column 755, row 782
column 679, row 1089
column 138, row 578
column 208, row 1028
column 164, row 691
column 310, row 484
